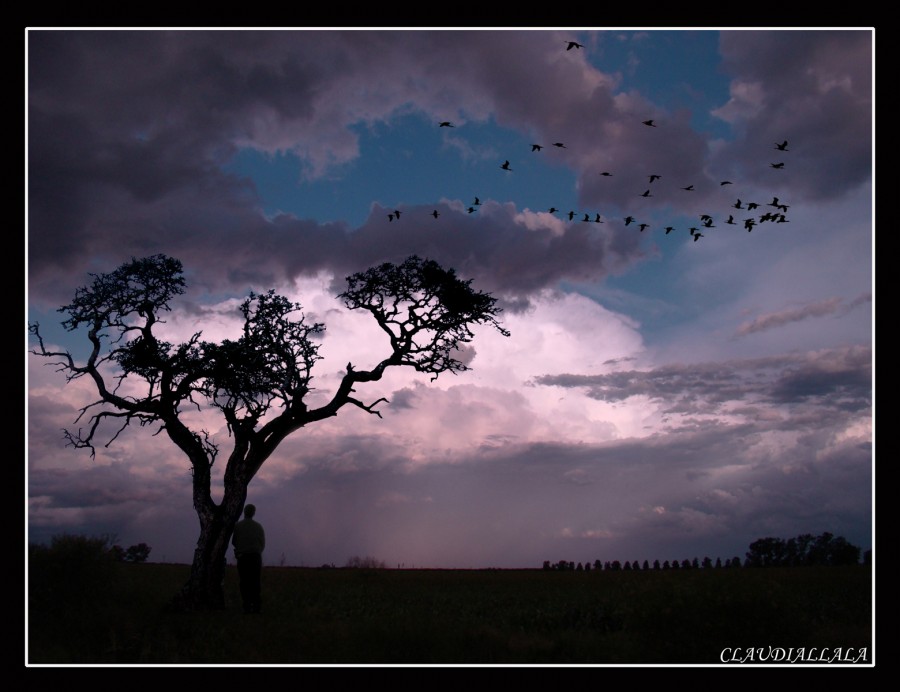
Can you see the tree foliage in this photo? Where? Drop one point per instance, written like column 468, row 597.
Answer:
column 425, row 310
column 805, row 549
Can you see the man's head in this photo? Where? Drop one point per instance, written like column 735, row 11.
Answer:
column 249, row 511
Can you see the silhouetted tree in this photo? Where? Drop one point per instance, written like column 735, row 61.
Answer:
column 707, row 563
column 627, row 566
column 137, row 553
column 645, row 566
column 598, row 565
column 580, row 567
column 831, row 550
column 546, row 565
column 258, row 382
column 587, row 566
column 616, row 566
column 666, row 565
column 656, row 564
column 718, row 562
column 797, row 550
column 766, row 552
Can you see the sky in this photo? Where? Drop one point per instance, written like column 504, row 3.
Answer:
column 662, row 395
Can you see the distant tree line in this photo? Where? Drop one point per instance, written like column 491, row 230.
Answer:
column 635, row 565
column 803, row 550
column 76, row 547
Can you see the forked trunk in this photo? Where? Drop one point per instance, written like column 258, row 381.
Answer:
column 204, row 589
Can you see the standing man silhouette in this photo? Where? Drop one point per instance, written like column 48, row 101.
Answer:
column 249, row 541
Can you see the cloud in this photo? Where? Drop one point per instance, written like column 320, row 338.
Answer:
column 128, row 155
column 834, row 378
column 831, row 306
column 812, row 88
column 619, row 414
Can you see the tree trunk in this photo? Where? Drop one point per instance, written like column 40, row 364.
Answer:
column 204, row 589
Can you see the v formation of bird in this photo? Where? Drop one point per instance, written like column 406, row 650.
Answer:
column 779, row 215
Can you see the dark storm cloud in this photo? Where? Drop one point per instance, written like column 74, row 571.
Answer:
column 128, row 130
column 811, row 88
column 839, row 377
column 713, row 493
column 496, row 249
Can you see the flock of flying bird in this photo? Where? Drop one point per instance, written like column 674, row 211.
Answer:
column 706, row 221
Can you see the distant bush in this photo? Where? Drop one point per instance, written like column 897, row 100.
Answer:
column 366, row 562
column 136, row 553
column 72, row 561
column 71, row 581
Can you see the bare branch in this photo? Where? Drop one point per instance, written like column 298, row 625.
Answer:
column 370, row 408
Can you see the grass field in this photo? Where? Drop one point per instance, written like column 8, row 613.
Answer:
column 351, row 616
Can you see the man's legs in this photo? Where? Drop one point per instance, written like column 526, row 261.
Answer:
column 250, row 573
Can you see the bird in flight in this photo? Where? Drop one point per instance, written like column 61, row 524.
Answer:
column 573, row 44
column 397, row 213
column 646, row 193
column 606, row 173
column 435, row 213
column 628, row 220
column 649, row 123
column 559, row 144
column 752, row 205
column 476, row 202
column 737, row 205
column 669, row 229
column 553, row 210
column 749, row 224
column 597, row 219
column 536, row 147
column 777, row 165
column 725, row 182
column 571, row 215
column 470, row 210
column 505, row 166
column 689, row 188
column 782, row 146
column 643, row 226
column 447, row 123
column 697, row 234
column 390, row 217
column 654, row 177
column 587, row 218
column 730, row 219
